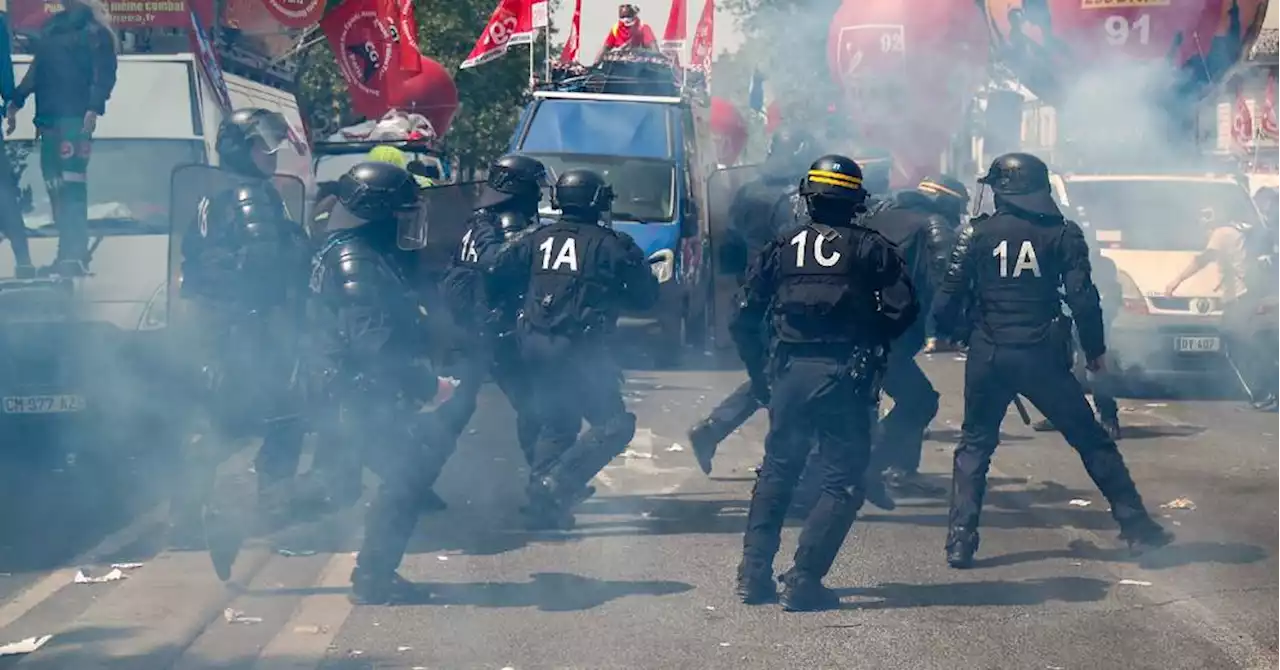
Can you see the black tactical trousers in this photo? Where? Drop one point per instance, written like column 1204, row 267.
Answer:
column 915, row 403
column 576, row 381
column 993, row 375
column 451, row 418
column 394, row 454
column 814, row 400
column 280, row 452
column 12, row 225
column 732, row 412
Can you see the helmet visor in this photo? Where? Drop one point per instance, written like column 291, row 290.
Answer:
column 271, row 129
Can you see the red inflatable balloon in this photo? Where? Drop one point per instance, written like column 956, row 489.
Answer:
column 430, row 92
column 728, row 130
column 1049, row 41
column 907, row 69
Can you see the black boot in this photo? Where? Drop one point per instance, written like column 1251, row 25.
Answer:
column 544, row 511
column 802, row 593
column 704, row 438
column 755, row 585
column 383, row 589
column 1145, row 535
column 962, row 544
column 876, row 491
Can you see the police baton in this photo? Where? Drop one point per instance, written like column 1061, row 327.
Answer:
column 1022, row 410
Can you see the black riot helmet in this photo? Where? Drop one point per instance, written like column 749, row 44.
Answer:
column 514, row 177
column 789, row 152
column 376, row 191
column 582, row 194
column 832, row 189
column 1021, row 182
column 245, row 129
column 947, row 194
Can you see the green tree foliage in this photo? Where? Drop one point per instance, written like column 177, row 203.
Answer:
column 491, row 95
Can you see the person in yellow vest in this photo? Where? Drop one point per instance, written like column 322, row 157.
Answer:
column 389, row 154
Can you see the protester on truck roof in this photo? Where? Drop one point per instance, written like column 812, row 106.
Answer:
column 629, row 32
column 72, row 74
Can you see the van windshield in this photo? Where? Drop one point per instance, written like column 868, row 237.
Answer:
column 643, row 188
column 128, row 184
column 1158, row 214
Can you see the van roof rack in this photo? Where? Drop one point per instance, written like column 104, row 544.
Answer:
column 640, row 73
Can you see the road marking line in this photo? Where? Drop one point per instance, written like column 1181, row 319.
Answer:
column 304, row 641
column 28, row 599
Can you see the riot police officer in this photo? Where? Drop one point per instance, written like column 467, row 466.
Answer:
column 835, row 295
column 575, row 275
column 244, row 268
column 507, row 208
column 371, row 331
column 761, row 209
column 1014, row 264
column 920, row 223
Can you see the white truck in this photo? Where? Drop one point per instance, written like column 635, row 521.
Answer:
column 162, row 113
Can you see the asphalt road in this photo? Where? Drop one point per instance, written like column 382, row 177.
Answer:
column 645, row 580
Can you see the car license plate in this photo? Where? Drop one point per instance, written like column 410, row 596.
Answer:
column 43, row 404
column 1198, row 344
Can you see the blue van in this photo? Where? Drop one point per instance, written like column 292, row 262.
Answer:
column 650, row 149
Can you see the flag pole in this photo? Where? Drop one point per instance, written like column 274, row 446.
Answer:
column 546, row 32
column 533, row 47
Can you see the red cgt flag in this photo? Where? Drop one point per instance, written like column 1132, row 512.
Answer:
column 703, row 39
column 570, row 52
column 1268, row 115
column 1241, row 122
column 359, row 34
column 400, row 27
column 511, row 23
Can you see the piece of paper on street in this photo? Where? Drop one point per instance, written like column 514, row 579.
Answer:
column 114, row 576
column 23, row 647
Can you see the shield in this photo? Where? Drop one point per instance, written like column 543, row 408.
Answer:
column 441, row 223
column 192, row 184
column 728, row 250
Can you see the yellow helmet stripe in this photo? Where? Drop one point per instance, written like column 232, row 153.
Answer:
column 836, row 178
column 934, row 187
column 833, row 182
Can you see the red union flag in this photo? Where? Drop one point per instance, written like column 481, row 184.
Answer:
column 511, row 23
column 874, row 48
column 400, row 27
column 704, row 39
column 570, row 52
column 677, row 26
column 359, row 42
